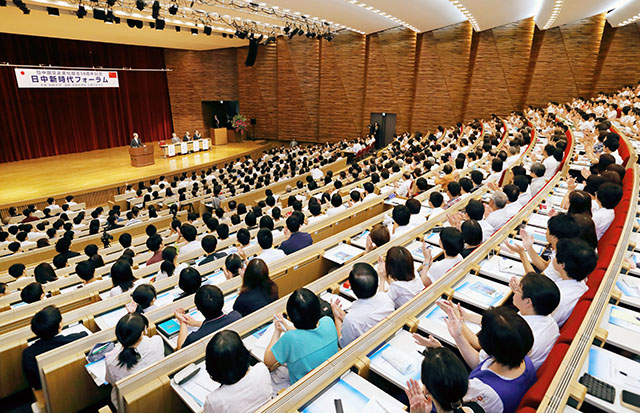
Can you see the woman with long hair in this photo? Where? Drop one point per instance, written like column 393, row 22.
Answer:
column 258, row 290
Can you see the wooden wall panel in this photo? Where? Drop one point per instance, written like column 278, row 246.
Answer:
column 324, row 91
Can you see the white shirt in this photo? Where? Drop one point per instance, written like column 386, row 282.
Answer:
column 117, row 290
column 335, row 210
column 497, row 219
column 402, row 291
column 570, row 292
column 551, row 166
column 247, row 395
column 602, row 218
column 162, row 275
column 545, row 333
column 271, row 254
column 435, row 211
column 512, row 208
column 487, row 229
column 617, row 157
column 316, row 173
column 536, row 185
column 368, row 197
column 151, row 349
column 440, row 268
column 364, row 314
column 417, row 219
column 524, row 198
column 401, row 230
column 190, row 247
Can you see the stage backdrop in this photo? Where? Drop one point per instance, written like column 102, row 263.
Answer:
column 46, row 122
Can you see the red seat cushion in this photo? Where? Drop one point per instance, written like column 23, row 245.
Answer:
column 571, row 326
column 534, row 395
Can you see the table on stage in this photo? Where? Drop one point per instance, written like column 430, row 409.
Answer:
column 141, row 156
column 183, row 148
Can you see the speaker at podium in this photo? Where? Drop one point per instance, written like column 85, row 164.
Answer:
column 142, row 156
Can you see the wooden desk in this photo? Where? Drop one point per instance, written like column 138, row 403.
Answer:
column 219, row 135
column 183, row 148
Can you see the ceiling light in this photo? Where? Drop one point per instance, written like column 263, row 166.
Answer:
column 467, row 14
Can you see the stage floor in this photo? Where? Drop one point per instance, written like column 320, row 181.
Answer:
column 35, row 179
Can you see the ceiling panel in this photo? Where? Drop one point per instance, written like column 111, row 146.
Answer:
column 425, row 15
column 494, row 13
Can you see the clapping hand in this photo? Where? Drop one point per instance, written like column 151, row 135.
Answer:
column 527, row 239
column 430, row 341
column 337, row 310
column 418, row 403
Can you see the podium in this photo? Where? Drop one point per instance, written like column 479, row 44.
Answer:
column 142, row 156
column 219, row 136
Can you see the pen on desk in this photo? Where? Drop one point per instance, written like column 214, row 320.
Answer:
column 338, row 405
column 189, row 376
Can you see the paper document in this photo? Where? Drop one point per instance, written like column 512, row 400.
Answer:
column 98, row 371
column 199, row 386
column 624, row 318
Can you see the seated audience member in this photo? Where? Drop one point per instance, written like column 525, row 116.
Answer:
column 415, row 208
column 134, row 351
column 550, row 162
column 445, row 380
column 4, row 290
column 209, row 244
column 243, row 387
column 313, row 340
column 536, row 297
column 608, row 196
column 32, row 293
column 401, row 217
column 14, row 247
column 209, row 301
column 453, row 192
column 296, row 240
column 233, row 266
column 268, row 253
column 144, row 296
column 452, row 242
column 17, row 271
column 189, row 233
column 122, row 278
column 125, row 241
column 368, row 310
column 189, row 282
column 258, row 290
column 62, row 247
column 497, row 216
column 154, row 244
column 513, row 194
column 46, row 324
column 86, row 271
column 502, row 372
column 223, row 231
column 44, row 273
column 573, row 262
column 472, row 236
column 538, row 179
column 60, row 261
column 397, row 271
column 435, row 202
column 170, row 264
column 522, row 182
column 91, row 251
column 378, row 236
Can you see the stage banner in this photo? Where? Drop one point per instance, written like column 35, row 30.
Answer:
column 205, row 144
column 171, row 150
column 196, row 145
column 184, row 148
column 56, row 78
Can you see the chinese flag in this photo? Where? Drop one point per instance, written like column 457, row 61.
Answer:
column 112, row 75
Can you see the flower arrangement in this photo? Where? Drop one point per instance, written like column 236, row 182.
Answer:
column 239, row 123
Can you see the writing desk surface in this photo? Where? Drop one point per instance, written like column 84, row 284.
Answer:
column 404, row 344
column 501, row 268
column 630, row 288
column 356, row 394
column 194, row 392
column 623, row 327
column 109, row 319
column 432, row 322
column 481, row 292
column 619, row 371
column 415, row 248
column 342, row 253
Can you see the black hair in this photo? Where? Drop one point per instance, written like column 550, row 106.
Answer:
column 265, row 238
column 505, row 336
column 454, row 188
column 125, row 240
column 452, row 241
column 189, row 232
column 227, row 359
column 154, row 242
column 578, row 258
column 436, row 199
column 256, row 276
column 190, row 280
column 85, row 270
column 223, row 231
column 471, row 232
column 63, row 245
column 233, row 263
column 303, row 309
column 401, row 215
column 512, row 192
column 209, row 301
column 364, row 280
column 609, row 195
column 563, row 226
column 475, row 209
column 209, row 243
column 31, row 293
column 16, row 270
column 143, row 295
column 266, row 222
column 293, row 223
column 243, row 236
column 414, row 206
column 128, row 331
column 122, row 275
column 44, row 273
column 45, row 324
column 477, row 177
column 445, row 377
column 542, row 291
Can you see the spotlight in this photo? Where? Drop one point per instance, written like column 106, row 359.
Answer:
column 173, row 9
column 140, row 4
column 194, row 32
column 53, row 11
column 207, row 30
column 81, row 11
column 155, row 9
column 160, row 24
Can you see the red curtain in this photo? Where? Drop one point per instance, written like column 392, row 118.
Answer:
column 47, row 122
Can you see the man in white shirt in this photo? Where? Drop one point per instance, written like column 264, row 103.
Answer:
column 574, row 261
column 536, row 297
column 189, row 233
column 610, row 146
column 401, row 217
column 513, row 206
column 268, row 254
column 415, row 208
column 371, row 307
column 452, row 242
column 522, row 182
column 607, row 196
column 550, row 162
column 316, row 173
column 435, row 202
column 538, row 180
column 497, row 216
column 370, row 190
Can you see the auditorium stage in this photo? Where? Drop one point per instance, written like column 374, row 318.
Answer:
column 36, row 179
